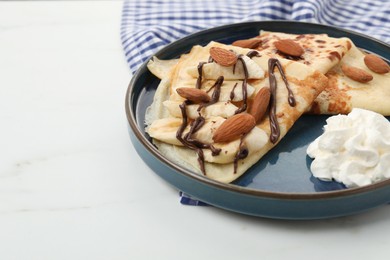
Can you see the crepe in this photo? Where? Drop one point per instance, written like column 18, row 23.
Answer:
column 343, row 93
column 172, row 115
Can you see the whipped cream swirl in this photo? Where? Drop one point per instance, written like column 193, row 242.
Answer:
column 354, row 149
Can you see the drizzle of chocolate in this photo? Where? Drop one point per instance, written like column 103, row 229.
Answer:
column 215, row 96
column 252, row 54
column 241, row 154
column 275, row 130
column 200, row 73
column 195, row 126
column 188, row 140
column 232, row 95
column 244, row 86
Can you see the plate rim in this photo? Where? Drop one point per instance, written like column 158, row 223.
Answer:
column 130, row 114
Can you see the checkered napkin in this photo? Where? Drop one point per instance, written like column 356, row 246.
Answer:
column 147, row 26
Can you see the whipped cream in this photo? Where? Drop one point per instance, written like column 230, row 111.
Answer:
column 354, row 149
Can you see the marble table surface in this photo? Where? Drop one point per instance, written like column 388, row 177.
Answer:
column 72, row 185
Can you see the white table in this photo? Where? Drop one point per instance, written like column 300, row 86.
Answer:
column 72, row 185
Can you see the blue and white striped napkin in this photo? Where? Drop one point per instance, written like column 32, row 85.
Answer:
column 149, row 25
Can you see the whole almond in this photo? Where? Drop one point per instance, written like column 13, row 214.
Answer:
column 233, row 127
column 260, row 104
column 193, row 94
column 289, row 47
column 356, row 74
column 376, row 64
column 252, row 43
column 223, row 57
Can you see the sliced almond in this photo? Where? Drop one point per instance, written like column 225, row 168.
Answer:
column 289, row 47
column 234, row 127
column 376, row 64
column 260, row 104
column 252, row 43
column 356, row 74
column 193, row 94
column 223, row 57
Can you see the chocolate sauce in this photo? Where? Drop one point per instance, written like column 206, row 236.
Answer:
column 232, row 95
column 200, row 73
column 275, row 130
column 242, row 150
column 244, row 86
column 241, row 154
column 252, row 54
column 234, row 68
column 215, row 96
column 184, row 122
column 184, row 141
column 195, row 126
column 191, row 143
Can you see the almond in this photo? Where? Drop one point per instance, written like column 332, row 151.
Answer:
column 193, row 94
column 289, row 47
column 376, row 64
column 223, row 57
column 260, row 104
column 356, row 74
column 233, row 127
column 252, row 43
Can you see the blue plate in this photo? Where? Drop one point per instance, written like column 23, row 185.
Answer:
column 280, row 185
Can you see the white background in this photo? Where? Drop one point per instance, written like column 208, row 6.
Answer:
column 72, row 185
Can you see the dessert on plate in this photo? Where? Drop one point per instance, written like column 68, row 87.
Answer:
column 220, row 108
column 218, row 116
